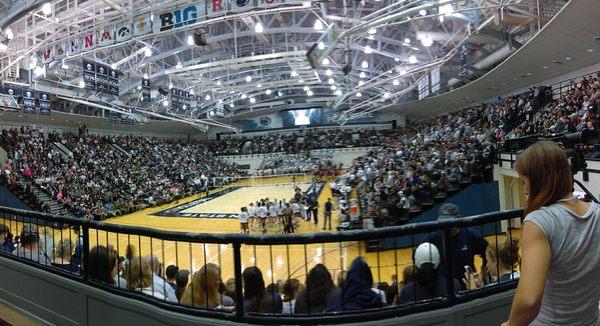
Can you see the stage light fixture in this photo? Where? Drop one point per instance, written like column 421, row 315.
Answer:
column 258, row 28
column 318, row 25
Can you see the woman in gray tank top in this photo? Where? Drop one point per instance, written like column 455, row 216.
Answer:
column 560, row 268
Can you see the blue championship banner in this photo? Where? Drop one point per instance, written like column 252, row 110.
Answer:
column 29, row 101
column 89, row 75
column 45, row 105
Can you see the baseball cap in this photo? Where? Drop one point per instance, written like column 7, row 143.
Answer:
column 448, row 211
column 427, row 253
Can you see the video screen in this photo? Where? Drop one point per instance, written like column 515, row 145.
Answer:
column 302, row 117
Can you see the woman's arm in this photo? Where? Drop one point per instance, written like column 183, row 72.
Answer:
column 534, row 272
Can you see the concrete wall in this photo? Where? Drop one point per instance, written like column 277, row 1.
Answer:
column 61, row 301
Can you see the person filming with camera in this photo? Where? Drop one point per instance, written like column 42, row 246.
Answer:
column 559, row 282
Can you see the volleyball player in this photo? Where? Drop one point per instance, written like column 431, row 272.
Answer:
column 273, row 216
column 243, row 217
column 262, row 216
column 252, row 215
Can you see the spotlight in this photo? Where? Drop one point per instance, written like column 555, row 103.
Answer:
column 368, row 50
column 9, row 34
column 359, row 94
column 47, row 9
column 412, row 59
column 426, row 41
column 362, row 74
column 396, row 82
column 219, row 83
column 407, row 40
column 207, row 97
column 321, row 46
column 258, row 28
column 301, row 81
column 422, row 12
column 190, row 40
column 372, row 31
column 268, row 92
column 338, row 92
column 386, row 95
column 139, row 87
column 165, row 103
column 244, row 96
column 306, row 88
column 328, row 72
column 252, row 100
column 365, row 64
column 333, row 87
column 294, row 73
column 191, row 92
column 148, row 52
column 248, row 79
column 81, row 84
column 325, row 61
column 318, row 25
column 331, row 81
column 309, row 93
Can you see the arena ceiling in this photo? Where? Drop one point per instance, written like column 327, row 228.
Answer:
column 252, row 57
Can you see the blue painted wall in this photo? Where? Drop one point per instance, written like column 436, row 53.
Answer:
column 8, row 199
column 473, row 200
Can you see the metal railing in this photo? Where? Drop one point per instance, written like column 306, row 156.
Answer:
column 95, row 242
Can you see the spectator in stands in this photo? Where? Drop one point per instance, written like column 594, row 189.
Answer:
column 203, row 290
column 6, row 240
column 103, row 265
column 183, row 277
column 76, row 258
column 428, row 283
column 290, row 292
column 502, row 262
column 357, row 290
column 29, row 246
column 171, row 276
column 159, row 284
column 62, row 256
column 560, row 238
column 466, row 243
column 341, row 277
column 255, row 297
column 230, row 288
column 140, row 278
column 320, row 295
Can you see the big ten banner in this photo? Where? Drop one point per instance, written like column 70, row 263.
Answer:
column 268, row 121
column 29, row 101
column 180, row 99
column 45, row 104
column 165, row 20
column 145, row 94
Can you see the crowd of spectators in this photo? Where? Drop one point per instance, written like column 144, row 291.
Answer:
column 99, row 180
column 297, row 142
column 574, row 111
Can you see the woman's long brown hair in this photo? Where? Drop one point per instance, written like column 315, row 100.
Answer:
column 547, row 168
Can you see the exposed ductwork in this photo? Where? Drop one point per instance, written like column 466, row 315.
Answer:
column 487, row 62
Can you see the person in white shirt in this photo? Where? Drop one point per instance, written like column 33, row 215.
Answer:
column 159, row 285
column 262, row 216
column 244, row 217
column 252, row 215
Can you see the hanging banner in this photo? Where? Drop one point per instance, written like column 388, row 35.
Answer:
column 113, row 82
column 112, row 117
column 73, row 46
column 142, row 25
column 146, row 91
column 178, row 17
column 88, row 41
column 89, row 75
column 242, row 5
column 45, row 106
column 12, row 91
column 106, row 36
column 216, row 7
column 123, row 32
column 101, row 78
column 29, row 101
